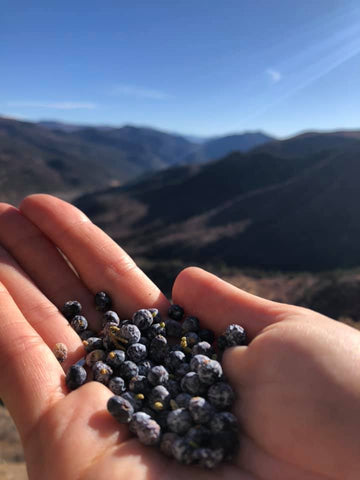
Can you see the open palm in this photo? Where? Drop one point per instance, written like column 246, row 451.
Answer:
column 292, row 381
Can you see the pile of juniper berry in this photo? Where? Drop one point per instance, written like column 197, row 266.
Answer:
column 166, row 377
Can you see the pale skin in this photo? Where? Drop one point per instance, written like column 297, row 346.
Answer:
column 297, row 383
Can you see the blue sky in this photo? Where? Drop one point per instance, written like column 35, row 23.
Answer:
column 193, row 67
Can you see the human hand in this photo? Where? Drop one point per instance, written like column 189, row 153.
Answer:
column 72, row 435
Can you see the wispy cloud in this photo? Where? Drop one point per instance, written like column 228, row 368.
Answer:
column 274, row 75
column 140, row 92
column 54, row 105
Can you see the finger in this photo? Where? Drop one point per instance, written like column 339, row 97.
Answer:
column 43, row 262
column 100, row 262
column 218, row 303
column 31, row 378
column 42, row 315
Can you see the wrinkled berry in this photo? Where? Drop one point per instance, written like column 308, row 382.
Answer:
column 179, row 421
column 143, row 319
column 70, row 309
column 120, row 409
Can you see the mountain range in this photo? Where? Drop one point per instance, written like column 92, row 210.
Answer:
column 72, row 159
column 289, row 205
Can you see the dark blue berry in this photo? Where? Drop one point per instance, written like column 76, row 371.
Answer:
column 159, row 398
column 202, row 348
column 182, row 451
column 115, row 358
column 198, row 360
column 95, row 356
column 174, row 359
column 176, row 312
column 206, row 335
column 173, row 387
column 120, row 409
column 207, row 457
column 137, row 419
column 201, row 410
column 134, row 399
column 143, row 319
column 155, row 329
column 144, row 367
column 129, row 334
column 173, row 328
column 103, row 301
column 139, row 384
column 75, row 377
column 87, row 334
column 79, row 323
column 93, row 343
column 179, row 421
column 70, row 309
column 223, row 421
column 191, row 383
column 221, row 395
column 158, row 375
column 101, row 372
column 183, row 399
column 235, row 335
column 110, row 317
column 167, row 441
column 209, row 372
column 137, row 352
column 117, row 385
column 155, row 314
column 190, row 324
column 158, row 349
column 128, row 369
column 198, row 436
column 148, row 432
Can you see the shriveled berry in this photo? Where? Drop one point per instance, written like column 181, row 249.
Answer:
column 128, row 369
column 101, row 372
column 117, row 385
column 235, row 335
column 137, row 352
column 158, row 375
column 137, row 419
column 143, row 319
column 70, row 309
column 179, row 421
column 95, row 356
column 210, row 372
column 191, row 383
column 60, row 351
column 176, row 312
column 190, row 324
column 201, row 410
column 129, row 334
column 75, row 377
column 103, row 301
column 148, row 432
column 79, row 323
column 174, row 359
column 120, row 409
column 198, row 360
column 221, row 395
